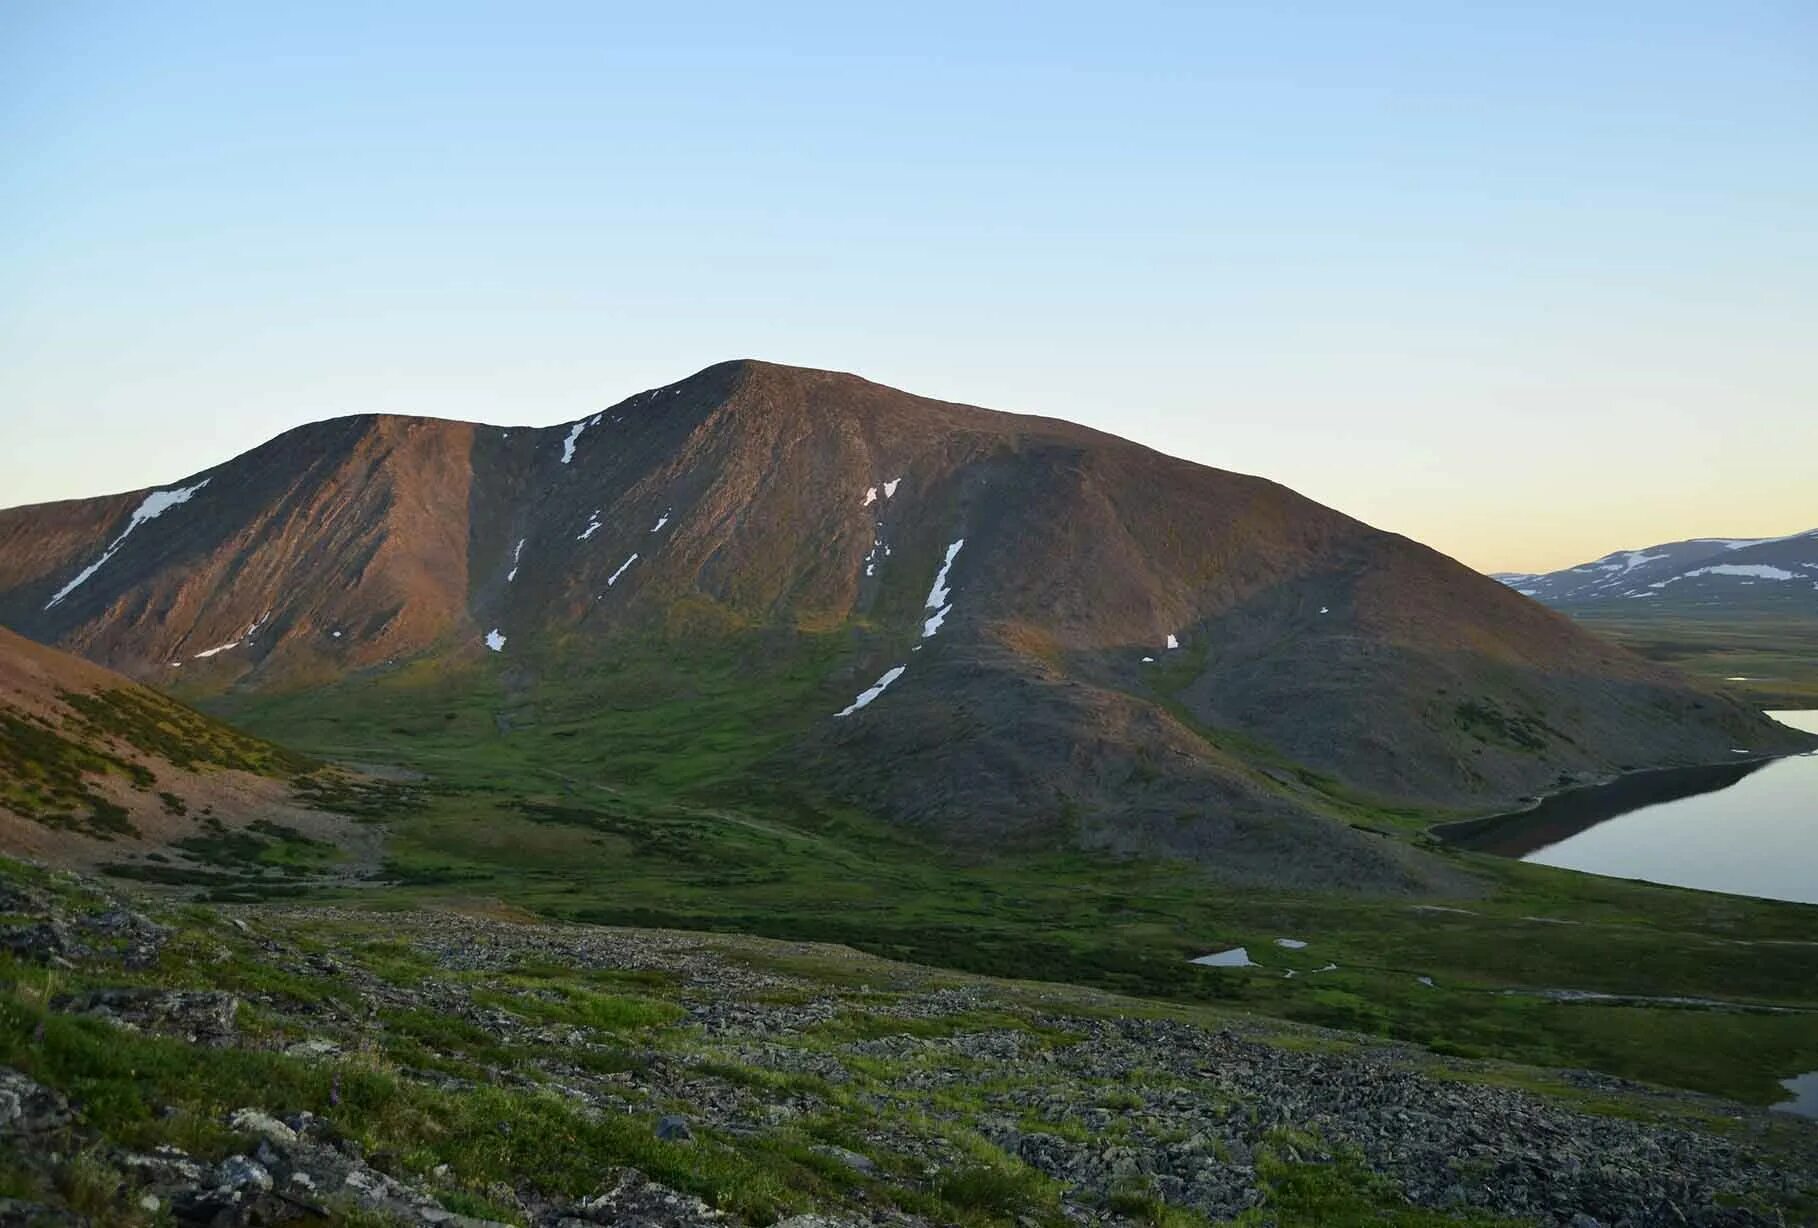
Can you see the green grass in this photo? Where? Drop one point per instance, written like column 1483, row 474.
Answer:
column 1775, row 652
column 642, row 786
column 141, row 1089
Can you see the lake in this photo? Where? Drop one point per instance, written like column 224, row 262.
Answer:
column 1744, row 828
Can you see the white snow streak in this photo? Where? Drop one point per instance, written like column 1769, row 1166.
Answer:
column 515, row 556
column 661, row 521
column 220, row 648
column 154, row 506
column 574, row 435
column 495, row 641
column 1754, row 571
column 1759, row 571
column 872, row 692
column 933, row 622
column 593, row 526
column 870, row 496
column 937, row 596
column 614, row 577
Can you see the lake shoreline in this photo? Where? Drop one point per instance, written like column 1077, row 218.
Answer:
column 1456, row 831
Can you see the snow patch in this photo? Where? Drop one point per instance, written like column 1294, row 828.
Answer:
column 516, row 554
column 153, row 506
column 934, row 621
column 614, row 577
column 1292, row 944
column 574, row 435
column 937, row 596
column 873, row 691
column 593, row 526
column 890, row 487
column 661, row 521
column 1758, row 571
column 1173, row 643
column 244, row 637
column 870, row 496
column 495, row 641
column 1236, row 957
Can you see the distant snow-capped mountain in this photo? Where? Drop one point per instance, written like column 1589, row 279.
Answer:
column 1704, row 571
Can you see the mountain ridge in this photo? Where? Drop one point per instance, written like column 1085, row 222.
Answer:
column 1722, row 569
column 1085, row 639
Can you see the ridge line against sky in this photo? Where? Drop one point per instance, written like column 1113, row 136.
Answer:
column 1528, row 286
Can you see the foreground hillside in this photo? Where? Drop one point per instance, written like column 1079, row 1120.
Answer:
column 275, row 1066
column 97, row 770
column 999, row 630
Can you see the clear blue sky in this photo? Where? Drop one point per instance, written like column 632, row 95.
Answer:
column 1529, row 282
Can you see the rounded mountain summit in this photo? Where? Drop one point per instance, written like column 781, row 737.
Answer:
column 1005, row 630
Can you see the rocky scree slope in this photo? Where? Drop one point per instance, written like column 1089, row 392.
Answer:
column 1047, row 633
column 275, row 1067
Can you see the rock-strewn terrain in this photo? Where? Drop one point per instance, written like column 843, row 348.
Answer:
column 276, row 1066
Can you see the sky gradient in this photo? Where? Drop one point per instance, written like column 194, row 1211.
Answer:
column 1527, row 282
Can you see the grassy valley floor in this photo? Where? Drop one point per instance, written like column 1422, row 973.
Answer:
column 647, row 791
column 1769, row 657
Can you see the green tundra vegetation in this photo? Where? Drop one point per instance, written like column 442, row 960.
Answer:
column 648, row 787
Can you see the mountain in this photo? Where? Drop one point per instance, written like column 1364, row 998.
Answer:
column 96, row 770
column 997, row 628
column 1769, row 574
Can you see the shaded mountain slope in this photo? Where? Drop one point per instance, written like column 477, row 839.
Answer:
column 1046, row 633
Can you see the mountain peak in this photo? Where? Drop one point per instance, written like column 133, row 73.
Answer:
column 1089, row 627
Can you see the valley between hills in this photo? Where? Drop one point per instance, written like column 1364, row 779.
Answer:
column 383, row 822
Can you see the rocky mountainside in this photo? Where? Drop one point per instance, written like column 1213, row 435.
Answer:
column 1703, row 574
column 1026, row 628
column 277, row 1066
column 96, row 770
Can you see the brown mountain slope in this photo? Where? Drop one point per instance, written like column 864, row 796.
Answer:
column 1322, row 667
column 99, row 770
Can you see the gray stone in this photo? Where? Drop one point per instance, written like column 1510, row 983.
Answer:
column 242, row 1173
column 27, row 1107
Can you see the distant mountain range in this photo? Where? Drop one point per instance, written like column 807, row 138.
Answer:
column 1703, row 573
column 993, row 627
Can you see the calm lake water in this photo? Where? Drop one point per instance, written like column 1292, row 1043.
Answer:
column 1748, row 829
